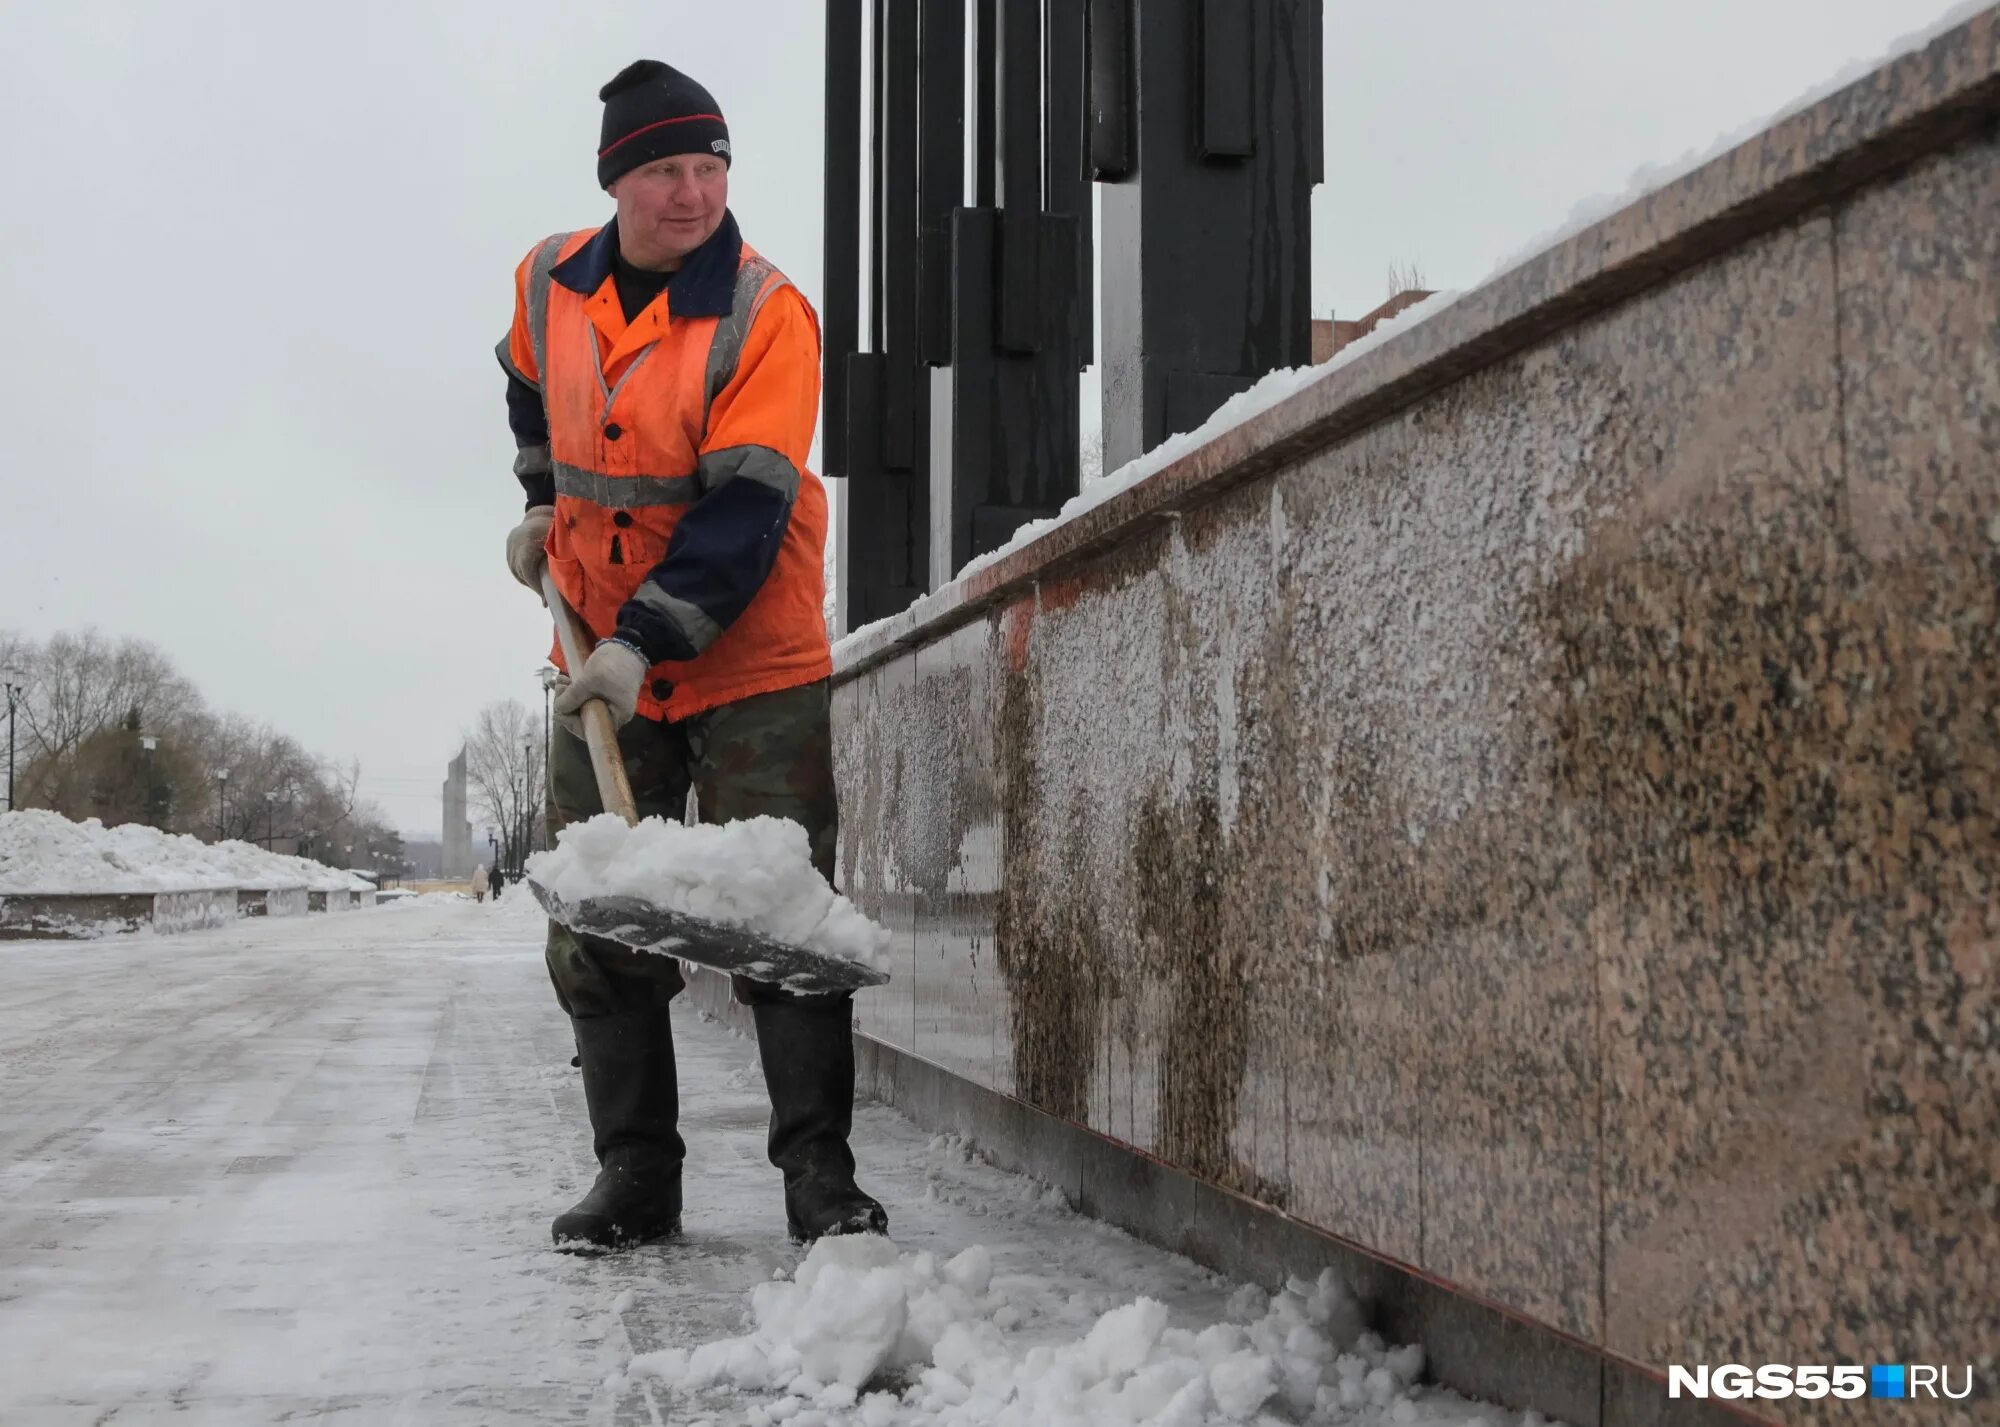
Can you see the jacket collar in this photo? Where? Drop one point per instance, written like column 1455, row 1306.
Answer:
column 705, row 286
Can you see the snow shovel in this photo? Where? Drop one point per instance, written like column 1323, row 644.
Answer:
column 635, row 922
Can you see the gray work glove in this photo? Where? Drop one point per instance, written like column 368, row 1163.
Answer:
column 525, row 555
column 613, row 672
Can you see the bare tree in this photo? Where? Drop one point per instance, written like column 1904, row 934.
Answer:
column 1091, row 463
column 275, row 792
column 327, row 796
column 17, row 653
column 504, row 770
column 83, row 684
column 367, row 842
column 283, row 797
column 82, row 687
column 1405, row 277
column 93, row 706
column 124, row 774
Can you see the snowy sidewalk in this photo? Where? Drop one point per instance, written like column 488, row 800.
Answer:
column 302, row 1171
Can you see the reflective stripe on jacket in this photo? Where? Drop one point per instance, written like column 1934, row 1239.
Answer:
column 686, row 520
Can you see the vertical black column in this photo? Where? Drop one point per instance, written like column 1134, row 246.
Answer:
column 940, row 194
column 899, row 149
column 1020, row 171
column 877, row 124
column 840, row 313
column 1224, row 90
column 1011, row 395
column 985, row 102
column 1109, row 99
column 1206, row 203
column 1015, row 414
column 961, row 421
column 1066, row 176
column 880, row 421
column 940, row 169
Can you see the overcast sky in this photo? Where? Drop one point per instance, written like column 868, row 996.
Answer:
column 258, row 253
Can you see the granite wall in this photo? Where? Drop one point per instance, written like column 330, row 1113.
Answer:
column 1539, row 824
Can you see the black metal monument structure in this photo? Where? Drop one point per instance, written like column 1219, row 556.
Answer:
column 984, row 124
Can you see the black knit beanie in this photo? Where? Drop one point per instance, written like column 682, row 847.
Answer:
column 652, row 111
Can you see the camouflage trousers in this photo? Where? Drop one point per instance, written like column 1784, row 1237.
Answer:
column 771, row 754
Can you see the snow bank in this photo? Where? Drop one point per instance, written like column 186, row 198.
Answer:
column 756, row 873
column 44, row 853
column 318, row 876
column 253, row 867
column 963, row 1339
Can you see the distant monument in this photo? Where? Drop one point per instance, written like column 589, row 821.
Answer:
column 457, row 831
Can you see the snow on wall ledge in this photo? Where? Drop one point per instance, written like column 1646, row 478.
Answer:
column 1526, row 802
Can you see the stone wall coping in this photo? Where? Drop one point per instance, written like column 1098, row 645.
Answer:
column 1916, row 104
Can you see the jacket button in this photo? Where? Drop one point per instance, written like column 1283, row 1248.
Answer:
column 663, row 689
column 622, row 519
column 613, row 431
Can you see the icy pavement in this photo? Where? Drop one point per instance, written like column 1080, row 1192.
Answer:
column 302, row 1171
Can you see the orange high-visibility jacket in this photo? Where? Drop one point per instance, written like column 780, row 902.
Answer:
column 674, row 450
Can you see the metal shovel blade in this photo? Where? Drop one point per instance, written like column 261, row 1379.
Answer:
column 635, row 922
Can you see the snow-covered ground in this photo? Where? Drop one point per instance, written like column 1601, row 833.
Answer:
column 303, row 1171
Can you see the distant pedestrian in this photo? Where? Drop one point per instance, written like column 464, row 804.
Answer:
column 479, row 882
column 499, row 880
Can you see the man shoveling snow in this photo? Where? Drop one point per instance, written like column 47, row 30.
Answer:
column 662, row 390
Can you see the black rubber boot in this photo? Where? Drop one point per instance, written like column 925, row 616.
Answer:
column 807, row 1049
column 634, row 1098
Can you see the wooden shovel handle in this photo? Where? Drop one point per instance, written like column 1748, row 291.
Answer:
column 613, row 788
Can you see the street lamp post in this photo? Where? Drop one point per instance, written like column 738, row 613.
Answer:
column 270, row 821
column 221, row 804
column 547, row 674
column 527, row 798
column 147, row 745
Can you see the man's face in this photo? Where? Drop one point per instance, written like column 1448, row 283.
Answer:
column 670, row 207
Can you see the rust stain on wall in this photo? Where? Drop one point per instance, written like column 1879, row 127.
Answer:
column 1182, row 881
column 1050, row 955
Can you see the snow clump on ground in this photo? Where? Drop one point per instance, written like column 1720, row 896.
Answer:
column 863, row 1335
